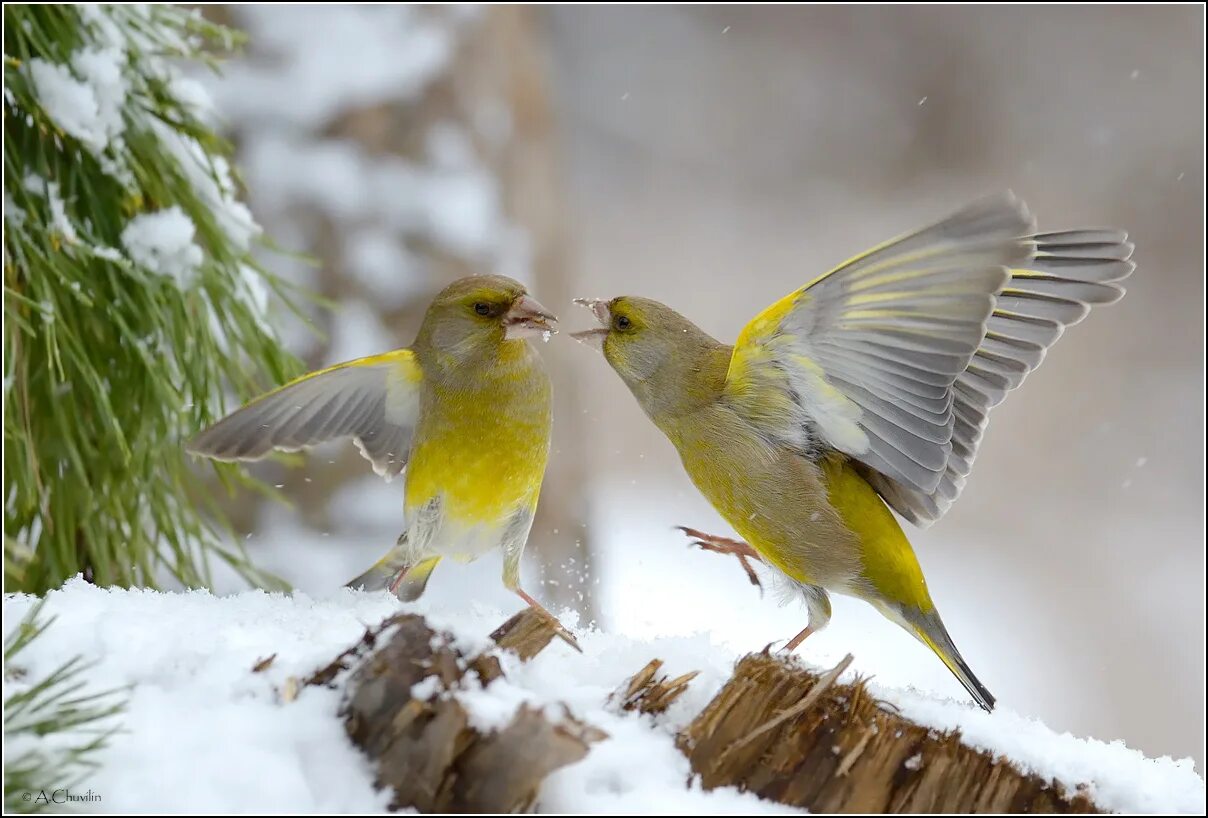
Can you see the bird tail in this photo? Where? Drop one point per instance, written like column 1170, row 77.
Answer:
column 930, row 630
column 394, row 572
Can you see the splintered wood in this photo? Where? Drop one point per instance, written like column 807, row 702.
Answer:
column 526, row 634
column 776, row 729
column 793, row 736
column 648, row 692
column 421, row 740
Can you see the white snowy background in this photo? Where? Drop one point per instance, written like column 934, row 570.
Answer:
column 715, row 159
column 203, row 733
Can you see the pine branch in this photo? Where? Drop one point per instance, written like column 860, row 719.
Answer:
column 132, row 300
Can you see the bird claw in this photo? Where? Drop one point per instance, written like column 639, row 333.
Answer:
column 724, row 545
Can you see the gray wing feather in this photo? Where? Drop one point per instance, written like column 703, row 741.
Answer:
column 1069, row 272
column 371, row 403
column 891, row 330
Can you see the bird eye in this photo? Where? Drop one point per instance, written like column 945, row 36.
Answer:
column 482, row 308
column 621, row 322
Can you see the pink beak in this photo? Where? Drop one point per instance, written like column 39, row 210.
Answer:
column 594, row 337
column 528, row 319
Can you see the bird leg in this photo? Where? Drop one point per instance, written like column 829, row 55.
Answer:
column 397, row 580
column 559, row 628
column 724, row 545
column 796, row 641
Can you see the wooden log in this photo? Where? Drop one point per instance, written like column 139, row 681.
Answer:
column 422, row 740
column 803, row 739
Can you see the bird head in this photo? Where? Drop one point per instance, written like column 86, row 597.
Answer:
column 658, row 353
column 480, row 313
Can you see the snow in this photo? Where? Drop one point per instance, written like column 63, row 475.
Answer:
column 203, row 732
column 95, row 97
column 384, row 267
column 458, row 207
column 162, row 243
column 58, row 208
column 1123, row 779
column 493, row 707
column 13, row 214
column 397, row 51
column 90, row 108
column 211, row 179
column 326, row 172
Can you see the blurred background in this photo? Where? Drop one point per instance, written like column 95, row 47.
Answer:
column 715, row 158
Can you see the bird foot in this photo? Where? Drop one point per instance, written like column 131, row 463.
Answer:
column 725, row 545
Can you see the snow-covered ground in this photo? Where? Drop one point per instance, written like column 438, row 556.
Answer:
column 205, row 733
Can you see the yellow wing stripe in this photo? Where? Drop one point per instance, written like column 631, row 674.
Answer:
column 407, row 367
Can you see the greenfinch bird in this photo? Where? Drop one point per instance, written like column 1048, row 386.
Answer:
column 865, row 390
column 464, row 412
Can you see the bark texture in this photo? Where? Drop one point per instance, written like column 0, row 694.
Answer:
column 777, row 729
column 424, row 746
column 793, row 736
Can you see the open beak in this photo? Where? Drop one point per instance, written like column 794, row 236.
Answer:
column 594, row 337
column 528, row 319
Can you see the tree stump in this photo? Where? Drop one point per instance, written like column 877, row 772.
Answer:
column 399, row 711
column 800, row 738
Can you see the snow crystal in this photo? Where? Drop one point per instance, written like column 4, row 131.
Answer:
column 193, row 95
column 101, row 25
column 493, row 707
column 914, row 762
column 89, row 109
column 102, row 72
column 58, row 208
column 427, row 688
column 162, row 242
column 254, row 292
column 13, row 214
column 210, row 177
column 106, row 253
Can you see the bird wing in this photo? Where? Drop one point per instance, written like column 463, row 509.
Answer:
column 895, row 357
column 373, row 400
column 1070, row 272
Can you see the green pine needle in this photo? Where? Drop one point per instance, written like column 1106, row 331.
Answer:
column 53, row 727
column 109, row 366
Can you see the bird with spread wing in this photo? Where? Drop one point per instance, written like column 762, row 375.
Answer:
column 464, row 412
column 864, row 391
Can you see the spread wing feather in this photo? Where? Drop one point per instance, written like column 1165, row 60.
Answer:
column 374, row 401
column 896, row 357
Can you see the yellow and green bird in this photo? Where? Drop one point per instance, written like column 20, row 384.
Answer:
column 863, row 391
column 464, row 412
